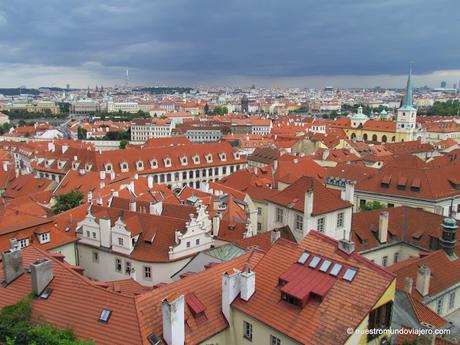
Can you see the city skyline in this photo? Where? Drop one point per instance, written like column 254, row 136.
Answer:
column 307, row 44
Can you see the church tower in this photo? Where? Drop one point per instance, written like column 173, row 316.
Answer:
column 407, row 114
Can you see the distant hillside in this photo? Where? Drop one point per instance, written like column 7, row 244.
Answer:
column 18, row 91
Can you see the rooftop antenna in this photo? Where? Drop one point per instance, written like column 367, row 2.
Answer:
column 127, row 77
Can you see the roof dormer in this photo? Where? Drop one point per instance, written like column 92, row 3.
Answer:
column 140, row 165
column 208, row 158
column 196, row 159
column 183, row 160
column 108, row 167
column 153, row 163
column 222, row 156
column 124, row 166
column 167, row 162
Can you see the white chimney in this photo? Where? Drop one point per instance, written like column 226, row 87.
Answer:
column 173, row 311
column 383, row 227
column 106, row 232
column 231, row 287
column 64, row 148
column 349, row 193
column 275, row 235
column 248, row 283
column 408, row 283
column 346, row 246
column 422, row 284
column 41, row 272
column 112, row 175
column 12, row 265
column 156, row 208
column 51, row 147
column 132, row 205
column 150, row 181
column 5, row 166
column 102, row 175
column 308, row 204
column 90, row 197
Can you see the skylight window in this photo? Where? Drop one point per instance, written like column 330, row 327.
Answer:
column 350, row 274
column 303, row 258
column 105, row 315
column 335, row 270
column 46, row 294
column 314, row 262
column 325, row 266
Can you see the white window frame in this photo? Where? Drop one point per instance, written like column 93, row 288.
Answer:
column 321, row 224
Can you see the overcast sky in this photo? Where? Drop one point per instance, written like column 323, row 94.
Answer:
column 355, row 43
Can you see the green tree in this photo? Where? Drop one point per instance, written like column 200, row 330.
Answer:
column 67, row 201
column 81, row 133
column 371, row 206
column 123, row 144
column 206, row 108
column 5, row 128
column 17, row 328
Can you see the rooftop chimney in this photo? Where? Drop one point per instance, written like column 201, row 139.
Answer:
column 132, row 205
column 275, row 235
column 383, row 227
column 347, row 246
column 231, row 287
column 173, row 320
column 102, row 175
column 422, row 284
column 308, row 204
column 348, row 194
column 150, row 181
column 42, row 273
column 156, row 208
column 248, row 283
column 12, row 265
column 408, row 283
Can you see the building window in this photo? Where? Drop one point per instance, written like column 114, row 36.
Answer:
column 259, row 227
column 88, row 234
column 396, row 258
column 298, row 222
column 23, row 243
column 118, row 265
column 380, row 318
column 452, row 300
column 339, row 219
column 95, row 257
column 274, row 340
column 147, row 273
column 439, row 306
column 120, row 241
column 385, row 261
column 127, row 267
column 197, row 242
column 247, row 330
column 94, row 235
column 188, row 244
column 44, row 238
column 279, row 215
column 259, row 210
column 321, row 224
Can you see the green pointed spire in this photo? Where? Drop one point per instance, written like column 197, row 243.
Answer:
column 407, row 101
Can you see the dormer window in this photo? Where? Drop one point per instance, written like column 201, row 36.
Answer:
column 140, row 165
column 88, row 167
column 196, row 159
column 108, row 167
column 61, row 164
column 167, row 162
column 183, row 160
column 124, row 166
column 223, row 156
column 44, row 238
column 236, row 155
column 208, row 158
column 154, row 164
column 75, row 165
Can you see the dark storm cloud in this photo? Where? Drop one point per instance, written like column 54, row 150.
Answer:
column 260, row 38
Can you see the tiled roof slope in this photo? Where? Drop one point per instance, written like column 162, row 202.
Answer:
column 207, row 288
column 324, row 199
column 345, row 305
column 76, row 303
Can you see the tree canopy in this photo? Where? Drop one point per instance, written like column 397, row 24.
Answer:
column 374, row 205
column 17, row 328
column 67, row 201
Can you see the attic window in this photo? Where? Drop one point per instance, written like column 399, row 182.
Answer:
column 314, row 262
column 196, row 159
column 335, row 270
column 350, row 274
column 183, row 160
column 223, row 156
column 386, row 181
column 167, row 162
column 154, row 163
column 140, row 165
column 105, row 315
column 154, row 339
column 108, row 167
column 325, row 265
column 209, row 158
column 124, row 166
column 303, row 258
column 46, row 293
column 415, row 187
column 402, row 183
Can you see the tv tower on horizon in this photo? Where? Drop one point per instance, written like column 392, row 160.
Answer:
column 127, row 77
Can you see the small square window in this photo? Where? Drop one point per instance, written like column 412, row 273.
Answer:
column 247, row 330
column 275, row 340
column 120, row 241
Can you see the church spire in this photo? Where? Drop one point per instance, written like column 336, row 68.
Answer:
column 407, row 101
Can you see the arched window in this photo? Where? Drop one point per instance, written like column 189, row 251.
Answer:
column 374, row 138
column 384, row 139
column 365, row 137
column 393, row 139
